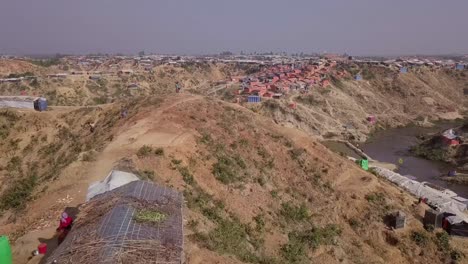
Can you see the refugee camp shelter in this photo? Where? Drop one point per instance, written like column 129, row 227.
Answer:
column 433, row 218
column 253, row 99
column 40, row 104
column 113, row 180
column 358, row 77
column 459, row 66
column 23, row 102
column 456, row 227
column 133, row 86
column 450, row 138
column 397, row 220
column 403, row 70
column 371, row 119
column 137, row 223
column 448, row 206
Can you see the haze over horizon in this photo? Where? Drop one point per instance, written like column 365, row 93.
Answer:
column 359, row 27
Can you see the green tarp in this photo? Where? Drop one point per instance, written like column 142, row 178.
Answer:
column 364, row 163
column 5, row 251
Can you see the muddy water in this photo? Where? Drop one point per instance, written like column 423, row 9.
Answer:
column 392, row 144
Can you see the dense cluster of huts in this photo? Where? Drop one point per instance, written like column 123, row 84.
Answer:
column 278, row 80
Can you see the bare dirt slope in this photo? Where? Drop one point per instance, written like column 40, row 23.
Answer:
column 256, row 192
column 14, row 66
column 107, row 84
column 341, row 110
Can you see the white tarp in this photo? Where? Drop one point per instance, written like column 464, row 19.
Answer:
column 26, row 102
column 114, row 180
column 444, row 200
column 450, row 134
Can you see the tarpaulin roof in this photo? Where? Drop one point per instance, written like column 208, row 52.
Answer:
column 450, row 134
column 114, row 180
column 443, row 200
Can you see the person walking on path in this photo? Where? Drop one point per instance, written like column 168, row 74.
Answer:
column 178, row 87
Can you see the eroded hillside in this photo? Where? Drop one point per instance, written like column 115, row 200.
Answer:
column 103, row 84
column 255, row 192
column 341, row 110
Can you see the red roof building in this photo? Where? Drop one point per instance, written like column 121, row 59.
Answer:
column 325, row 83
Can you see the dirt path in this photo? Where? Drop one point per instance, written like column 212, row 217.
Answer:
column 142, row 129
column 215, row 89
column 145, row 131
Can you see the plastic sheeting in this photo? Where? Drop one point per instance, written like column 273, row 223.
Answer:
column 12, row 102
column 114, row 180
column 443, row 200
column 23, row 102
column 450, row 134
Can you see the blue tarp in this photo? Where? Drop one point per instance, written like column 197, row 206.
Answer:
column 40, row 104
column 253, row 99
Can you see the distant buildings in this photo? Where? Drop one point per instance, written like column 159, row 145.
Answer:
column 133, row 86
column 58, row 75
column 126, row 71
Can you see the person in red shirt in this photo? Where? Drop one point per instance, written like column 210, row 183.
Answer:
column 65, row 226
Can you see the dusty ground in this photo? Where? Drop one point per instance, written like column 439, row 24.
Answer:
column 81, row 90
column 340, row 111
column 283, row 166
column 258, row 187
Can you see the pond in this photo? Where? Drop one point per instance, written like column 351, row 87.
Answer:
column 394, row 144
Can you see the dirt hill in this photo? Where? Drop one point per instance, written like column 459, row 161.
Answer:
column 103, row 84
column 258, row 186
column 422, row 96
column 341, row 110
column 255, row 192
column 14, row 66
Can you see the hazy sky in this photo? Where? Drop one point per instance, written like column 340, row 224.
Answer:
column 359, row 27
